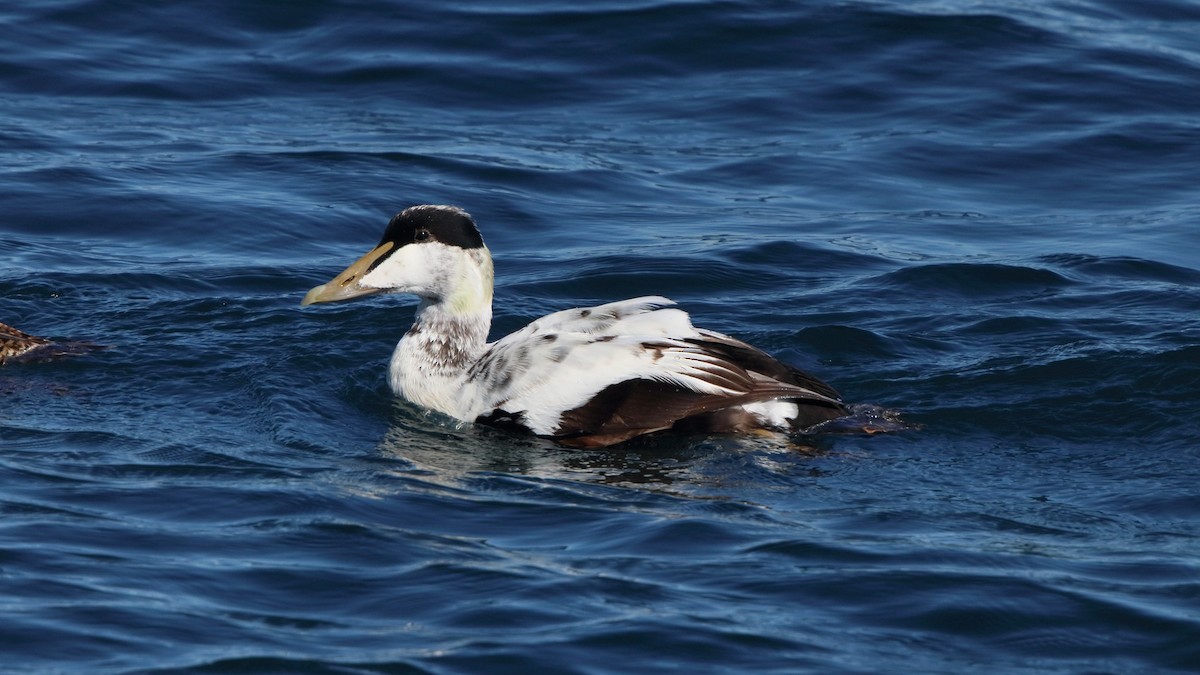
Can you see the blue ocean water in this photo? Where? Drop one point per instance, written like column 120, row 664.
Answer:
column 985, row 214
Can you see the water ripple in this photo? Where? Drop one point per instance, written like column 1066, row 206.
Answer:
column 982, row 216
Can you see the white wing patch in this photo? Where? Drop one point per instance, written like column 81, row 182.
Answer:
column 614, row 318
column 561, row 361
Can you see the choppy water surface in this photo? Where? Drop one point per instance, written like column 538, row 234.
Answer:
column 981, row 213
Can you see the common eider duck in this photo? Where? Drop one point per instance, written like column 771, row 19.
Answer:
column 17, row 345
column 587, row 377
column 21, row 347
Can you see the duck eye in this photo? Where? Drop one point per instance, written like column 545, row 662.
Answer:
column 422, row 235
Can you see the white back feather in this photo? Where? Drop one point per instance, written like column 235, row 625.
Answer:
column 561, row 361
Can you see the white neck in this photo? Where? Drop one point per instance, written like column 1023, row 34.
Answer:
column 448, row 334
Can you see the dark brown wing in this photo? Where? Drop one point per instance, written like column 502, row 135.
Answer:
column 640, row 406
column 755, row 360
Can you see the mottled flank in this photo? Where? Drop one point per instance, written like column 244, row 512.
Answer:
column 17, row 345
column 20, row 347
